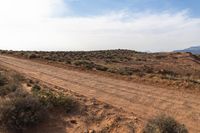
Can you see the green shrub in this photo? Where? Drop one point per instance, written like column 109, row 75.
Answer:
column 21, row 113
column 50, row 99
column 64, row 102
column 164, row 124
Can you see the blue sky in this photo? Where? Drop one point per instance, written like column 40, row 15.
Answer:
column 96, row 7
column 143, row 25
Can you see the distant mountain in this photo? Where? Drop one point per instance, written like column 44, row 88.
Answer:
column 194, row 50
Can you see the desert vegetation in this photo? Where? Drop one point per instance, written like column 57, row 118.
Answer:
column 164, row 124
column 20, row 113
column 21, row 109
column 175, row 69
column 118, row 61
column 27, row 109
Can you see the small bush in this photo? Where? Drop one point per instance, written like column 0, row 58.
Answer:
column 10, row 85
column 20, row 93
column 19, row 114
column 164, row 124
column 5, row 90
column 101, row 68
column 64, row 102
column 50, row 99
column 3, row 80
column 127, row 71
column 17, row 78
column 36, row 88
column 112, row 70
column 167, row 72
column 32, row 56
column 84, row 64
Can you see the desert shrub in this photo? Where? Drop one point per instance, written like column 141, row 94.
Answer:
column 160, row 56
column 5, row 90
column 101, row 68
column 140, row 59
column 21, row 113
column 167, row 72
column 32, row 56
column 10, row 85
column 20, row 93
column 164, row 124
column 35, row 88
column 112, row 70
column 46, row 57
column 193, row 81
column 65, row 102
column 147, row 69
column 50, row 99
column 85, row 64
column 10, row 52
column 112, row 60
column 3, row 80
column 3, row 52
column 17, row 78
column 126, row 71
column 67, row 61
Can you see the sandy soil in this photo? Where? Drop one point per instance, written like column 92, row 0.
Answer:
column 141, row 100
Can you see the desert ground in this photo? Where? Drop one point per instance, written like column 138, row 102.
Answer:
column 153, row 84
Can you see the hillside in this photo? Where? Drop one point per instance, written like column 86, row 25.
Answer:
column 140, row 102
column 180, row 70
column 194, row 50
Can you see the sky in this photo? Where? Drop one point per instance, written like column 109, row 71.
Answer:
column 67, row 25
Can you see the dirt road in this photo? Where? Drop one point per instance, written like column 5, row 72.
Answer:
column 144, row 101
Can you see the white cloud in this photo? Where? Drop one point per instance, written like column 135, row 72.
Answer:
column 28, row 24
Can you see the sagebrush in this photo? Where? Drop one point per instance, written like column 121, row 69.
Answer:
column 164, row 124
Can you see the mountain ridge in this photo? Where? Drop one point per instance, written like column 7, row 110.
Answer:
column 193, row 50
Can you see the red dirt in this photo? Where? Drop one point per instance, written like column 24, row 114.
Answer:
column 142, row 100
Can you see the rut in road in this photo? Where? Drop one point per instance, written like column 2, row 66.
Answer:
column 144, row 101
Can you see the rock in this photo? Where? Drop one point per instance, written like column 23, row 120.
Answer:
column 135, row 118
column 91, row 131
column 73, row 121
column 106, row 106
column 86, row 131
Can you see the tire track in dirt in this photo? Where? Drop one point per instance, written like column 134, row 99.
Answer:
column 165, row 92
column 139, row 99
column 90, row 93
column 131, row 90
column 51, row 79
